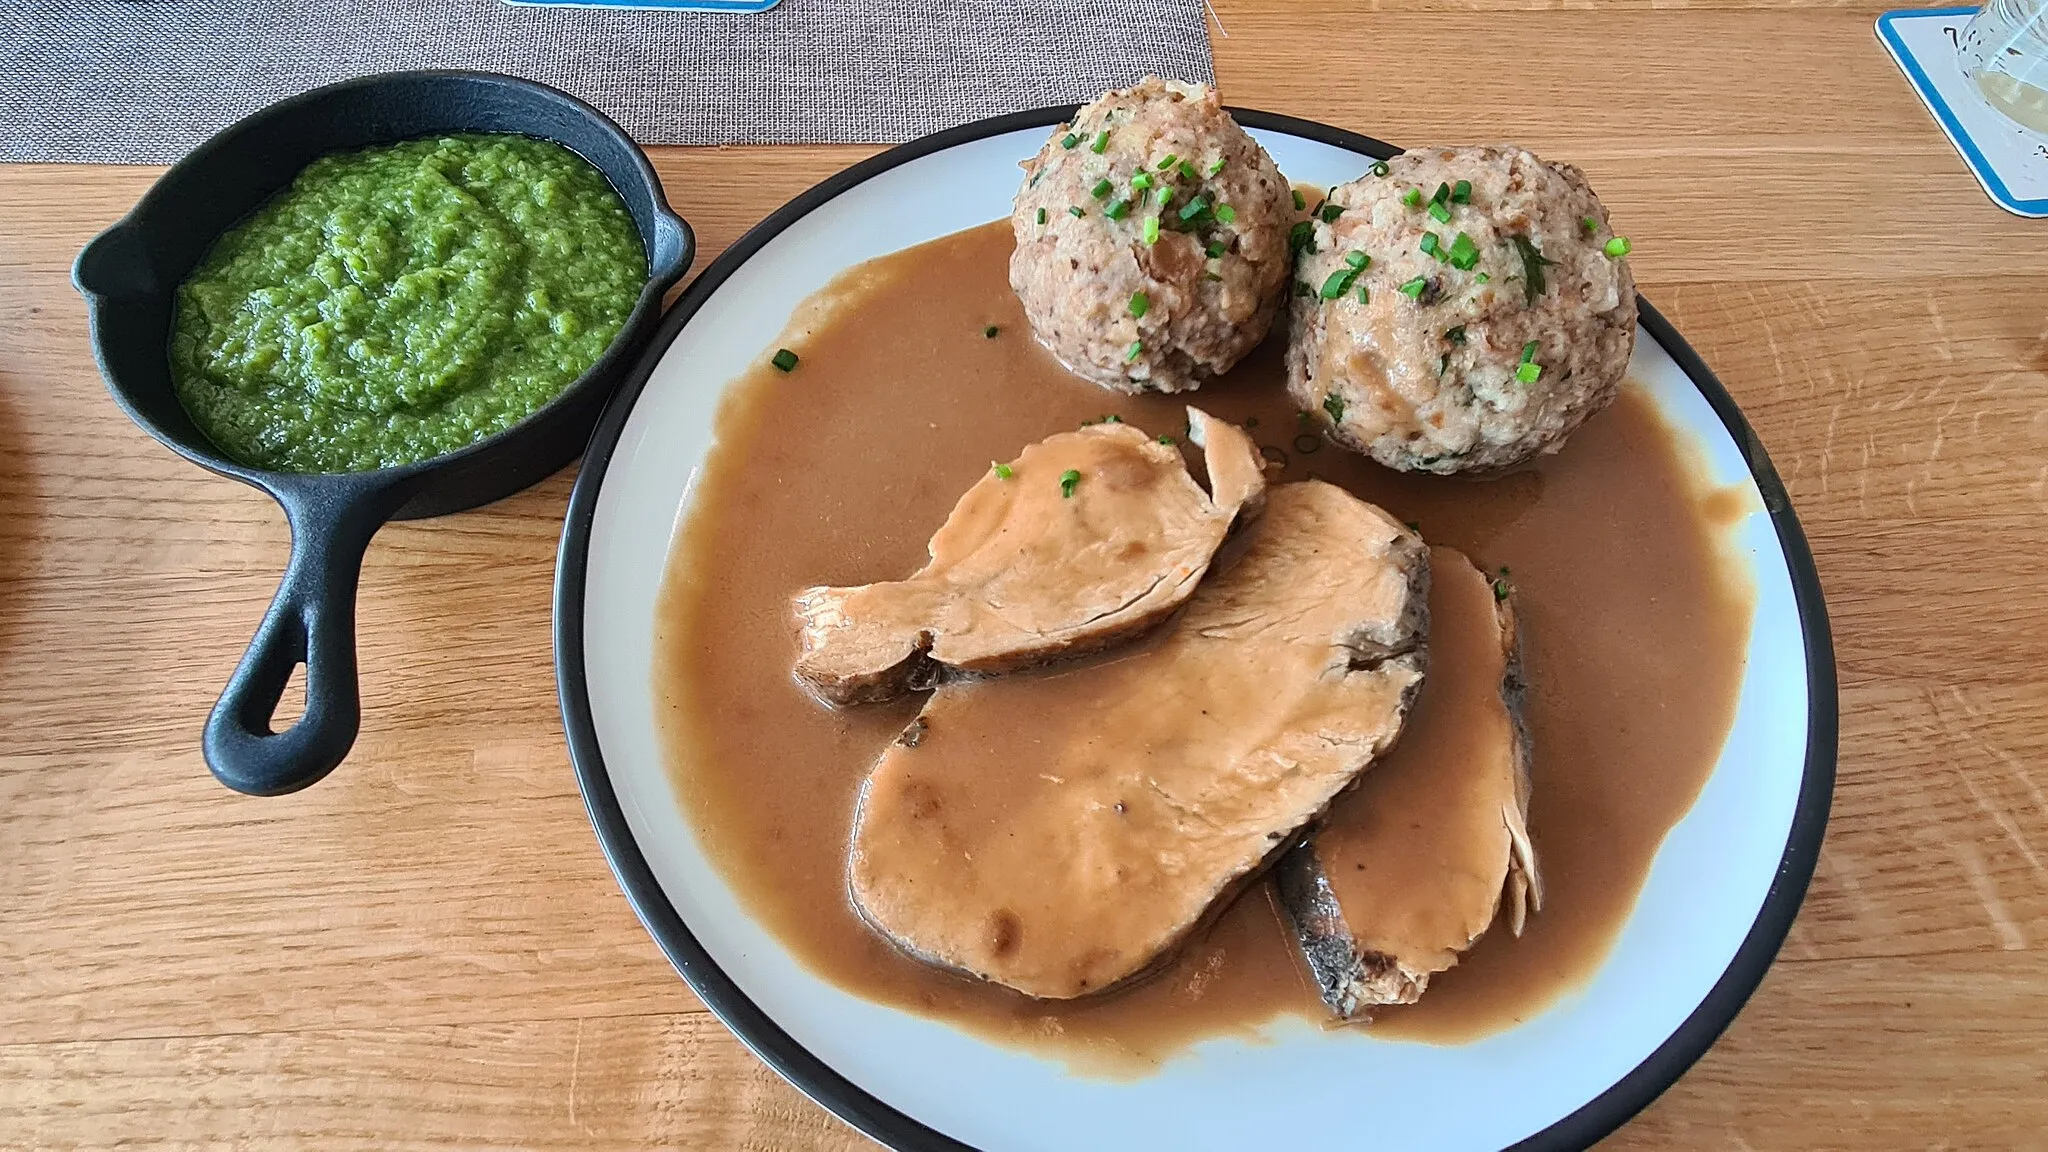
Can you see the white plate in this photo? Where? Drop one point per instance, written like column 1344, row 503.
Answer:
column 1719, row 898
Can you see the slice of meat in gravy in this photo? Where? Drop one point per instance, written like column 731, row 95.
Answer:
column 1062, row 832
column 1409, row 869
column 1028, row 569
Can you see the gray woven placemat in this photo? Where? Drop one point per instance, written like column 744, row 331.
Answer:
column 133, row 81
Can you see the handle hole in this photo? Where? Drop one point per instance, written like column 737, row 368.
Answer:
column 291, row 704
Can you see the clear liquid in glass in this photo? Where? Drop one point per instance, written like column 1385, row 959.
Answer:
column 2004, row 51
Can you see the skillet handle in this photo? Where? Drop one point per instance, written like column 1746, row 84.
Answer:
column 312, row 621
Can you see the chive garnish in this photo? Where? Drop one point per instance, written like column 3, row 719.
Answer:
column 1101, row 143
column 1169, row 162
column 1442, row 193
column 1438, row 212
column 1528, row 373
column 1117, row 209
column 1162, row 195
column 1330, row 212
column 1363, row 298
column 784, row 359
column 1482, row 278
column 1041, row 215
column 1461, row 192
column 1589, row 224
column 989, row 333
column 1216, row 166
column 1136, row 350
column 1413, row 288
column 1112, row 418
column 1334, row 405
column 1380, row 168
column 1216, row 249
column 1464, row 253
column 1301, row 237
column 1455, row 335
column 1226, row 214
column 1358, row 260
column 1300, row 202
column 1150, row 230
column 1339, row 283
column 1501, row 587
column 1075, row 210
column 1529, row 351
column 1432, row 245
column 1003, row 471
column 1187, row 171
column 1102, row 189
column 1069, row 140
column 1195, row 207
column 1141, row 181
column 1618, row 247
column 1068, row 479
column 1167, row 439
column 1140, row 304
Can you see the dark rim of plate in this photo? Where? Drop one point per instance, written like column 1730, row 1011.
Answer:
column 1594, row 1120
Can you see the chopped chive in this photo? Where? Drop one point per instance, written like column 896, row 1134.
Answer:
column 1136, row 350
column 1187, row 171
column 1041, row 215
column 1299, row 201
column 1363, row 298
column 1442, row 193
column 1528, row 373
column 1589, row 224
column 1301, row 288
column 1443, row 363
column 1529, row 351
column 1150, row 230
column 1140, row 304
column 1216, row 249
column 1075, row 210
column 1618, row 247
column 1195, row 207
column 989, row 333
column 1112, row 418
column 1330, row 212
column 1413, row 288
column 1339, row 283
column 1358, row 260
column 1455, row 335
column 1003, row 471
column 1432, row 245
column 1464, row 253
column 1069, row 140
column 1117, row 209
column 1334, row 405
column 1162, row 195
column 1501, row 587
column 1302, row 237
column 1101, row 143
column 1438, row 212
column 1461, row 192
column 1226, row 214
column 1169, row 162
column 1380, row 168
column 1482, row 278
column 1068, row 479
column 1167, row 439
column 1412, row 197
column 1216, row 166
column 784, row 359
column 1141, row 181
column 1102, row 189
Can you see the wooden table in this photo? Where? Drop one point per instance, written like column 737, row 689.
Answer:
column 428, row 950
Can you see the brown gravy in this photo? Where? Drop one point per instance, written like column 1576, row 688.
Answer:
column 1635, row 619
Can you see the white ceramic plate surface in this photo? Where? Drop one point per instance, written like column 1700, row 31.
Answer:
column 1718, row 901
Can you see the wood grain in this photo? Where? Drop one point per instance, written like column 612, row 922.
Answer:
column 428, row 950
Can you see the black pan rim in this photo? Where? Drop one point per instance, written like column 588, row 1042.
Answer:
column 1580, row 1129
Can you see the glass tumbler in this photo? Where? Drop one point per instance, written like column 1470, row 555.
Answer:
column 2004, row 51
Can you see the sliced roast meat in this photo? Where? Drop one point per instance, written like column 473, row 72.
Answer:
column 1060, row 833
column 1082, row 542
column 1409, row 869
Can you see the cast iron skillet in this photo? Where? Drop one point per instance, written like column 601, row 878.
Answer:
column 129, row 273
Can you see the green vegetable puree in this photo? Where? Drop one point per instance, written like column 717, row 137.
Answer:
column 401, row 302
